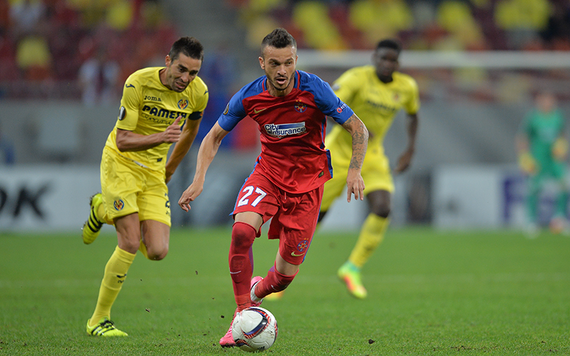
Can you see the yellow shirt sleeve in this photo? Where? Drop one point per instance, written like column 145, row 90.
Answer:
column 130, row 105
column 346, row 86
column 412, row 106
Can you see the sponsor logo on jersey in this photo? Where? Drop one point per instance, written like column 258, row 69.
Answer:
column 300, row 106
column 281, row 130
column 381, row 106
column 182, row 104
column 161, row 112
column 227, row 109
column 119, row 204
column 152, row 98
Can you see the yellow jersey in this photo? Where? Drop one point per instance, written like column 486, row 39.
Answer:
column 374, row 102
column 149, row 107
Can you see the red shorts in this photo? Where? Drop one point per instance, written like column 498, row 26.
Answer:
column 293, row 216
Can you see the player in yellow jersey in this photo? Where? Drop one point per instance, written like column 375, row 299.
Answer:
column 376, row 94
column 160, row 106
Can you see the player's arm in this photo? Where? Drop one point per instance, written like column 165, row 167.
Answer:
column 130, row 141
column 406, row 158
column 527, row 164
column 359, row 133
column 206, row 153
column 182, row 147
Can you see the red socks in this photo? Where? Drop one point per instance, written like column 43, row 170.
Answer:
column 241, row 262
column 273, row 282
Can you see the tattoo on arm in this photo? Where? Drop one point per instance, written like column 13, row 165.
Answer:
column 359, row 134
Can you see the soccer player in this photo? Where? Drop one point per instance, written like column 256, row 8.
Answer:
column 290, row 108
column 542, row 149
column 376, row 94
column 160, row 106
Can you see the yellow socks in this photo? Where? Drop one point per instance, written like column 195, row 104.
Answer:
column 115, row 274
column 371, row 235
column 142, row 249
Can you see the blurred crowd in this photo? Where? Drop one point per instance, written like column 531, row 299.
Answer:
column 85, row 49
column 541, row 26
column 77, row 48
column 421, row 25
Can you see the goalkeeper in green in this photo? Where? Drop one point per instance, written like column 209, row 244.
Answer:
column 542, row 149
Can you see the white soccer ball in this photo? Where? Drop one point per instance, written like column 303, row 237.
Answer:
column 254, row 329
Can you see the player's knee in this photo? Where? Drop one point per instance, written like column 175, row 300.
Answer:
column 129, row 245
column 381, row 209
column 156, row 254
column 243, row 236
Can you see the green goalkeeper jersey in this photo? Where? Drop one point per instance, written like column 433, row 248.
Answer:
column 542, row 130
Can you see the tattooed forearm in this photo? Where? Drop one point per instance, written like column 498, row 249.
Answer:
column 359, row 134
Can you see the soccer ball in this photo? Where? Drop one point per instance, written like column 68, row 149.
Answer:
column 254, row 329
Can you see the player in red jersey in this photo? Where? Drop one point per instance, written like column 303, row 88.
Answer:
column 290, row 107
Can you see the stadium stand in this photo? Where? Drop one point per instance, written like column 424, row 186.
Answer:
column 44, row 43
column 61, row 35
column 422, row 25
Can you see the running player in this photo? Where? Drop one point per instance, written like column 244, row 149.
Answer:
column 290, row 107
column 160, row 106
column 376, row 94
column 542, row 149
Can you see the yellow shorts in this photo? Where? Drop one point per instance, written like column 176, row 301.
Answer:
column 375, row 172
column 129, row 188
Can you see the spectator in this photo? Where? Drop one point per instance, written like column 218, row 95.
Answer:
column 98, row 78
column 34, row 58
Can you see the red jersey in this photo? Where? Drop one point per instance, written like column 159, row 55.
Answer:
column 292, row 129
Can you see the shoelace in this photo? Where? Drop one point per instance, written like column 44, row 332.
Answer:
column 107, row 324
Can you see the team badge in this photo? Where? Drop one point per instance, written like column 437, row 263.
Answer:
column 300, row 106
column 396, row 97
column 118, row 204
column 301, row 246
column 182, row 104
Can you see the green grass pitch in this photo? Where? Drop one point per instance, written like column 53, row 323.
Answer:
column 430, row 293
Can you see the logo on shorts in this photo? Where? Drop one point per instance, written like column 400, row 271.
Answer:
column 119, row 204
column 301, row 247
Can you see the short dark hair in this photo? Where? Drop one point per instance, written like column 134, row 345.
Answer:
column 390, row 43
column 278, row 38
column 189, row 46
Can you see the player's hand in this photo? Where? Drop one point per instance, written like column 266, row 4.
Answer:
column 354, row 185
column 404, row 162
column 172, row 132
column 527, row 164
column 191, row 193
column 560, row 149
